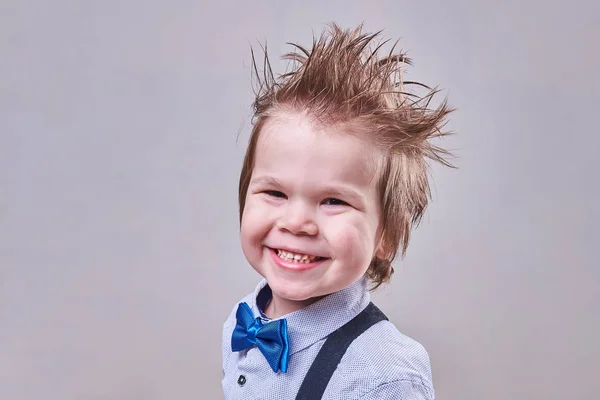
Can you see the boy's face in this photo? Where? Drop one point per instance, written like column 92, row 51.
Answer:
column 310, row 224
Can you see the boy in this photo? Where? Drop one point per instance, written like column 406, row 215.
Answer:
column 333, row 180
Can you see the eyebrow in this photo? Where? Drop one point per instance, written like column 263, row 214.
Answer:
column 266, row 180
column 343, row 192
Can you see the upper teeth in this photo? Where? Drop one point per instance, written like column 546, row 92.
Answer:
column 302, row 258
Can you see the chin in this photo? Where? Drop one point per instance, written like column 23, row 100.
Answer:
column 294, row 291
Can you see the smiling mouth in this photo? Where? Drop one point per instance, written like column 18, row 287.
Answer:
column 297, row 257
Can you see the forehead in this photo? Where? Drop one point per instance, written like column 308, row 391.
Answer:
column 293, row 144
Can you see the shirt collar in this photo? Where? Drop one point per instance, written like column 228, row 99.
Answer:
column 318, row 320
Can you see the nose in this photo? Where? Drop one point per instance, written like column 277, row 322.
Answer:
column 298, row 219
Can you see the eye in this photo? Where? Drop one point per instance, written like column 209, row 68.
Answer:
column 334, row 202
column 275, row 193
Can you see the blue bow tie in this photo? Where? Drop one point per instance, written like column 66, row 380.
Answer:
column 270, row 338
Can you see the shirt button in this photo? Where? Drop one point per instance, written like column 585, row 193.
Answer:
column 242, row 380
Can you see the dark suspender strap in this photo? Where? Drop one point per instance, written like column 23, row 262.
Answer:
column 333, row 350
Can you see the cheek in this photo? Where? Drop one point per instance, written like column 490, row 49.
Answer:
column 255, row 223
column 353, row 241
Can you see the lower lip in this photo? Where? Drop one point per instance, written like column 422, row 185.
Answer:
column 293, row 266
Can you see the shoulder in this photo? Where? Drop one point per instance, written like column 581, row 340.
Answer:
column 386, row 350
column 383, row 360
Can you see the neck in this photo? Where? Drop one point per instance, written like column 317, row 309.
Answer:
column 279, row 306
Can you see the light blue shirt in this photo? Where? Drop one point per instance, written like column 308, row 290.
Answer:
column 382, row 363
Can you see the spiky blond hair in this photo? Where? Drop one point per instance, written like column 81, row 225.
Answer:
column 343, row 80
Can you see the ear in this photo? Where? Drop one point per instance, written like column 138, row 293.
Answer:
column 381, row 249
column 380, row 253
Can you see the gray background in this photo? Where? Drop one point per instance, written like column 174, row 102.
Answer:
column 119, row 253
